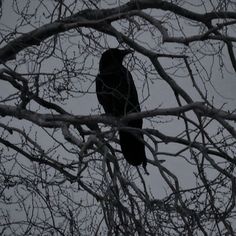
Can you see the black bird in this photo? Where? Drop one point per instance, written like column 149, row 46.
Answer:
column 117, row 93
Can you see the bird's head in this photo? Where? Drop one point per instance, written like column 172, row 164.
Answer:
column 113, row 57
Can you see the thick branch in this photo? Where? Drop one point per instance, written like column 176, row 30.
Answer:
column 95, row 18
column 55, row 120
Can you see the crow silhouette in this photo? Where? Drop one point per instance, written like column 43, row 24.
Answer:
column 117, row 93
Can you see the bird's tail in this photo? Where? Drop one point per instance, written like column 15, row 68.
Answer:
column 133, row 148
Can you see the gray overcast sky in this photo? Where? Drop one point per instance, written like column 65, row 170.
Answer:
column 221, row 90
column 158, row 93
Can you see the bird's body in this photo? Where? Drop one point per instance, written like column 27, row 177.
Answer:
column 117, row 94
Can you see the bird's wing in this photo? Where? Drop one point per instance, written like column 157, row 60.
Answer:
column 103, row 97
column 132, row 94
column 99, row 89
column 117, row 93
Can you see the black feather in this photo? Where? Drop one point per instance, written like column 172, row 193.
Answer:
column 117, row 93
